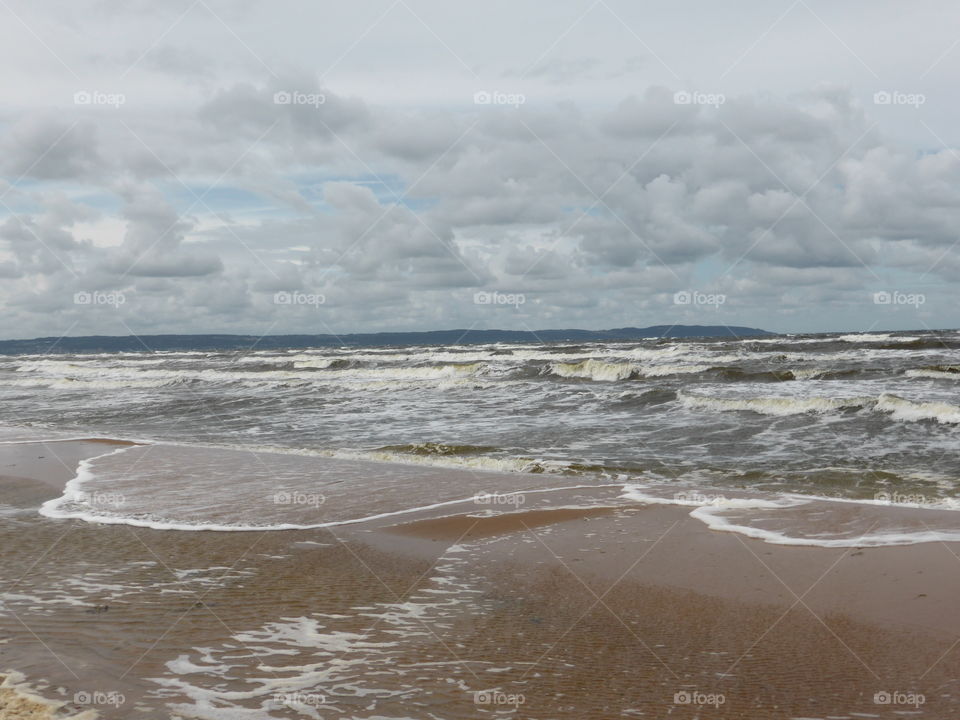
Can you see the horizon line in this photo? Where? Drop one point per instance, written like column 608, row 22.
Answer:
column 467, row 331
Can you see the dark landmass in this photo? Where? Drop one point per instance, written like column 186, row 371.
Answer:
column 141, row 343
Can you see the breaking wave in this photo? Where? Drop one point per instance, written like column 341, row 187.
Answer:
column 876, row 337
column 910, row 411
column 937, row 372
column 896, row 407
column 595, row 370
column 773, row 405
column 603, row 371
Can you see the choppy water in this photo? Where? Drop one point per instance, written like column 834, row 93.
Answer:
column 832, row 415
column 792, row 412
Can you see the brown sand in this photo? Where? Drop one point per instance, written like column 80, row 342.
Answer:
column 913, row 586
column 51, row 463
column 597, row 612
column 470, row 527
column 656, row 599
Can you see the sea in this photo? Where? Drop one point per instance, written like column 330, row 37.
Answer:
column 737, row 428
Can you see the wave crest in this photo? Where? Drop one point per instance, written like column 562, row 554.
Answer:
column 910, row 411
column 773, row 405
column 897, row 407
column 595, row 370
column 937, row 372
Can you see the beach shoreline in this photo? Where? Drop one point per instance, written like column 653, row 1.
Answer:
column 678, row 611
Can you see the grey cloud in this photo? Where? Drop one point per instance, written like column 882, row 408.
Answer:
column 44, row 147
column 494, row 197
column 152, row 244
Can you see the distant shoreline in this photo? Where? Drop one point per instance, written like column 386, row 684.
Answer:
column 212, row 342
column 462, row 336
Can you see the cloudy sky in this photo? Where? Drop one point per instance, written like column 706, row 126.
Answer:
column 231, row 166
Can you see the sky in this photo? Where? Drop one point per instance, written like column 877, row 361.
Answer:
column 204, row 166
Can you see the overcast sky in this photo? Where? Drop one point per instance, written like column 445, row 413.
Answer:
column 215, row 166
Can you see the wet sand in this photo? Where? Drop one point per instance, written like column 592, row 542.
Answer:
column 461, row 528
column 48, row 464
column 546, row 612
column 912, row 586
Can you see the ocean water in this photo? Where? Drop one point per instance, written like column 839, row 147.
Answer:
column 759, row 436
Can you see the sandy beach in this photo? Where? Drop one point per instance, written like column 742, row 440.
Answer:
column 575, row 606
column 418, row 360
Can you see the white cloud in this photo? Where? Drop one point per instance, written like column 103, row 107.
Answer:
column 381, row 185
